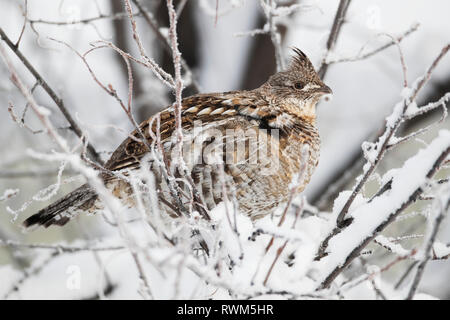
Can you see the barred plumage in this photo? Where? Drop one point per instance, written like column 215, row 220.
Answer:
column 251, row 139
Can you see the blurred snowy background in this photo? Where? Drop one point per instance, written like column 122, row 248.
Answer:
column 213, row 42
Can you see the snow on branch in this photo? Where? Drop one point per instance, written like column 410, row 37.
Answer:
column 58, row 101
column 270, row 8
column 369, row 219
column 441, row 207
column 361, row 55
column 374, row 152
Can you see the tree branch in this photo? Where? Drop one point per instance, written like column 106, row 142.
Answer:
column 58, row 101
column 334, row 34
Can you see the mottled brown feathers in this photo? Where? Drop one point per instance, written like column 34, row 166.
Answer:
column 270, row 124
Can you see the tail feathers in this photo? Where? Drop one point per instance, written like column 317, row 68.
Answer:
column 61, row 211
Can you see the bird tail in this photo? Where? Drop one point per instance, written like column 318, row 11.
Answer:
column 61, row 211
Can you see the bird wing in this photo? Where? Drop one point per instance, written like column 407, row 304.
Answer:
column 204, row 107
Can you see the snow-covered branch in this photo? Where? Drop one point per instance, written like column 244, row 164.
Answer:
column 369, row 219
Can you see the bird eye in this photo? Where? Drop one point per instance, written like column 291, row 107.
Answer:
column 299, row 85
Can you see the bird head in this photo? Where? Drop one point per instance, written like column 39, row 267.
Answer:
column 298, row 88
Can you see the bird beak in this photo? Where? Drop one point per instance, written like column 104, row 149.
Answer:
column 325, row 90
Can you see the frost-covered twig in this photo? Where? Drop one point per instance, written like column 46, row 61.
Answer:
column 280, row 250
column 377, row 150
column 442, row 205
column 269, row 7
column 70, row 22
column 370, row 219
column 412, row 112
column 116, row 16
column 28, row 273
column 21, row 122
column 362, row 56
column 253, row 32
column 110, row 89
column 157, row 70
column 25, row 15
column 275, row 12
column 161, row 161
column 391, row 246
column 431, row 106
column 343, row 176
column 109, row 201
column 371, row 275
column 148, row 17
column 136, row 37
column 176, row 55
column 59, row 248
column 8, row 194
column 41, row 112
column 178, row 81
column 297, row 182
column 58, row 101
column 339, row 19
column 402, row 60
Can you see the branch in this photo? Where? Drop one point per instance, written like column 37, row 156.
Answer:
column 116, row 16
column 58, row 101
column 334, row 34
column 34, row 270
column 17, row 174
column 178, row 81
column 269, row 6
column 382, row 210
column 8, row 194
column 41, row 112
column 361, row 56
column 296, row 183
column 347, row 171
column 59, row 248
column 159, row 72
column 444, row 205
column 392, row 124
column 166, row 43
column 178, row 105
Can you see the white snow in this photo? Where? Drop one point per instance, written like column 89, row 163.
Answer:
column 369, row 216
column 8, row 193
column 440, row 250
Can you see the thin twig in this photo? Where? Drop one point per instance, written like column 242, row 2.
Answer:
column 58, row 101
column 269, row 6
column 405, row 274
column 116, row 16
column 389, row 131
column 176, row 55
column 429, row 245
column 58, row 247
column 362, row 56
column 25, row 15
column 29, row 273
column 339, row 19
column 166, row 42
column 41, row 112
column 297, row 182
column 412, row 198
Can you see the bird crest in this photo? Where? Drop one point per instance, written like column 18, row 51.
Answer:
column 300, row 61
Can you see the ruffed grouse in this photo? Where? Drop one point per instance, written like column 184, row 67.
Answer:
column 251, row 141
